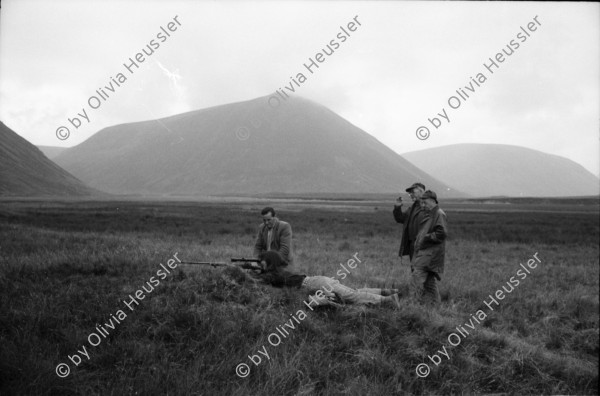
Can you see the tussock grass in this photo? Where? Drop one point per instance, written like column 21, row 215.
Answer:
column 66, row 267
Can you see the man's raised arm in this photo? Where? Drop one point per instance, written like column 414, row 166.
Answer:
column 399, row 215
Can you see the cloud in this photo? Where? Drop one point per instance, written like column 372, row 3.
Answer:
column 394, row 72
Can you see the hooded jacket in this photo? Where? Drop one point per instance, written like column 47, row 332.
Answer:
column 430, row 246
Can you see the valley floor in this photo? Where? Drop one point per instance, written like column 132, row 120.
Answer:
column 94, row 301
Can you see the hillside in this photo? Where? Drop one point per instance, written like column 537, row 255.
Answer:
column 243, row 148
column 484, row 170
column 25, row 170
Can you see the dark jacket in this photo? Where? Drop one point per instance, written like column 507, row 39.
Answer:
column 414, row 212
column 282, row 278
column 430, row 246
column 281, row 240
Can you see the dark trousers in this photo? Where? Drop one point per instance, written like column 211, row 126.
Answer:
column 424, row 286
column 423, row 282
column 411, row 250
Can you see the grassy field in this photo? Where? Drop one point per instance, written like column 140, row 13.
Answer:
column 68, row 267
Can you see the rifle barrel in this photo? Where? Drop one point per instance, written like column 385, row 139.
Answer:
column 245, row 260
column 237, row 262
column 206, row 263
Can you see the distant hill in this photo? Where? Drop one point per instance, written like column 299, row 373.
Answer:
column 484, row 170
column 300, row 147
column 25, row 170
column 51, row 151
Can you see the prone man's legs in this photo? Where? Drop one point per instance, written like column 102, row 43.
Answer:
column 361, row 296
column 331, row 287
column 381, row 292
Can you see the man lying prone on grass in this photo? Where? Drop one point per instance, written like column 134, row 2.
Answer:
column 323, row 290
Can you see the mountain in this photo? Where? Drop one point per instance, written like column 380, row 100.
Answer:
column 51, row 151
column 485, row 170
column 243, row 148
column 25, row 170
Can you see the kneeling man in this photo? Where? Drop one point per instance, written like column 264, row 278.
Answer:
column 274, row 235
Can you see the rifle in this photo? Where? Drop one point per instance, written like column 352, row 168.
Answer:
column 236, row 262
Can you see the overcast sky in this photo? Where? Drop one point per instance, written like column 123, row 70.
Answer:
column 396, row 70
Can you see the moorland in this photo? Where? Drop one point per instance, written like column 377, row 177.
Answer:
column 67, row 266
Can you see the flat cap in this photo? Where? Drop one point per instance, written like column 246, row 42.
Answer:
column 429, row 194
column 409, row 189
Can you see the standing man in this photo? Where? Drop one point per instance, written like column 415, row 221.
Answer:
column 430, row 248
column 274, row 235
column 411, row 219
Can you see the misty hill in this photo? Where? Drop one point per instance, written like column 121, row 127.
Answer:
column 25, row 170
column 243, row 148
column 485, row 170
column 51, row 151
